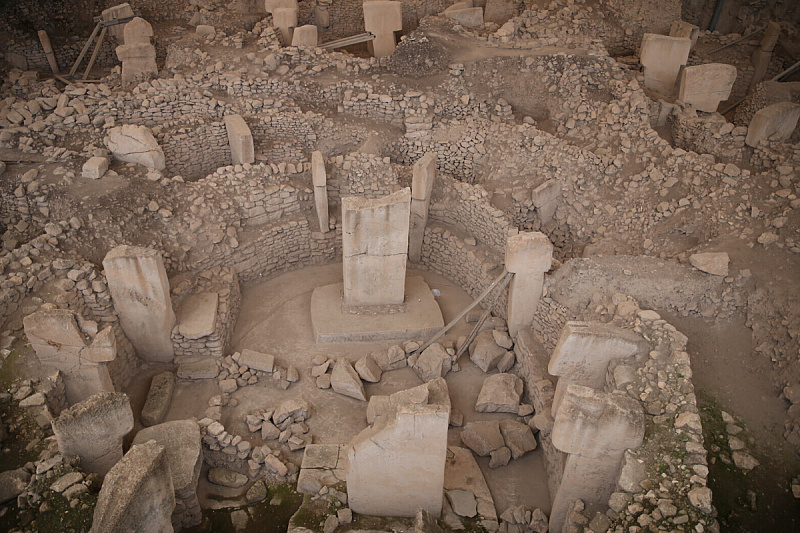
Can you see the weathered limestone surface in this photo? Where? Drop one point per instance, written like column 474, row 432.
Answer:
column 137, row 494
column 319, row 178
column 138, row 55
column 345, row 380
column 396, row 466
column 662, row 57
column 158, row 399
column 528, row 255
column 139, row 288
column 681, row 28
column 138, row 31
column 95, row 168
column 383, row 18
column 135, row 144
column 424, row 172
column 93, row 430
column 182, row 442
column 198, row 315
column 705, row 86
column 775, row 121
column 471, row 17
column 375, row 248
column 305, row 36
column 121, row 11
column 285, row 19
column 500, row 393
column 240, row 139
column 594, row 428
column 57, row 340
column 583, row 352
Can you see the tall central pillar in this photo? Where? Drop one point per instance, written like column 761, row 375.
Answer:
column 375, row 248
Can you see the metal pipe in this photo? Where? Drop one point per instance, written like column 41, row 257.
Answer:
column 715, row 17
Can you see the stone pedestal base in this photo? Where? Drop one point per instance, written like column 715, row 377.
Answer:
column 333, row 321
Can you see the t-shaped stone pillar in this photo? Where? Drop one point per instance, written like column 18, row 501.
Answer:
column 421, row 188
column 320, row 180
column 58, row 342
column 594, row 428
column 583, row 352
column 138, row 55
column 240, row 139
column 139, row 287
column 662, row 58
column 375, row 248
column 528, row 255
column 383, row 18
column 284, row 16
column 93, row 430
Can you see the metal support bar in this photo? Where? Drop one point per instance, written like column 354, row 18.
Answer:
column 483, row 318
column 737, row 41
column 463, row 313
column 347, row 41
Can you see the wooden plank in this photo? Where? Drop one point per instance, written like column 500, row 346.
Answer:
column 74, row 68
column 94, row 54
column 48, row 51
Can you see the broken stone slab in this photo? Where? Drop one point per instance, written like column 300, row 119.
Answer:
column 205, row 368
column 158, row 399
column 433, row 363
column 462, row 502
column 518, row 437
column 95, row 168
column 715, row 263
column 135, row 144
column 293, row 408
column 197, row 317
column 93, row 430
column 257, row 360
column 137, row 494
column 500, row 393
column 482, row 437
column 462, row 472
column 66, row 481
column 368, row 369
column 396, row 466
column 500, row 457
column 423, row 174
column 485, row 352
column 777, row 121
column 394, row 359
column 225, row 477
column 182, row 442
column 346, row 381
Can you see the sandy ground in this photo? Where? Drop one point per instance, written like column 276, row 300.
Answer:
column 275, row 318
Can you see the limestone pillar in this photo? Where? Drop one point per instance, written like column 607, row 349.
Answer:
column 528, row 255
column 681, row 28
column 421, row 187
column 121, row 11
column 583, row 352
column 139, row 288
column 396, row 466
column 594, row 428
column 137, row 494
column 775, row 121
column 93, row 430
column 138, row 55
column 240, row 139
column 305, row 36
column 375, row 248
column 383, row 18
column 320, row 180
column 662, row 57
column 705, row 86
column 763, row 53
column 284, row 16
column 58, row 341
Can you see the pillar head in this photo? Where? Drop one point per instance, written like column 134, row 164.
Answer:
column 528, row 253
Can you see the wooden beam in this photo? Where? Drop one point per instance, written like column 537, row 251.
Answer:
column 94, row 54
column 48, row 51
column 74, row 68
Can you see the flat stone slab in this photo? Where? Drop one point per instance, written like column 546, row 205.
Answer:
column 324, row 465
column 197, row 317
column 259, row 361
column 202, row 369
column 182, row 441
column 332, row 323
column 158, row 399
column 461, row 472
